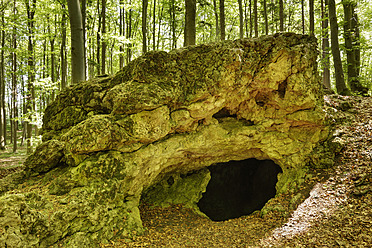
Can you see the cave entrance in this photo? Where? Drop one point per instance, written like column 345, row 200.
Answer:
column 238, row 188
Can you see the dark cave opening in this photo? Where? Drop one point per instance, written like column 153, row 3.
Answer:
column 238, row 188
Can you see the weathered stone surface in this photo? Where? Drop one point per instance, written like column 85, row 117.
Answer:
column 166, row 114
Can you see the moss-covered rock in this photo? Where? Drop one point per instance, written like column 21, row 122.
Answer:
column 111, row 140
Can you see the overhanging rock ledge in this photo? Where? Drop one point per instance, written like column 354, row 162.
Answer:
column 108, row 140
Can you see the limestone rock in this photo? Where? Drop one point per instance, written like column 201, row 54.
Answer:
column 108, row 140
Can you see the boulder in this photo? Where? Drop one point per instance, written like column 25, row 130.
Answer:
column 156, row 126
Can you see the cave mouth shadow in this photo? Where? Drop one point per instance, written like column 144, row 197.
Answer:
column 238, row 188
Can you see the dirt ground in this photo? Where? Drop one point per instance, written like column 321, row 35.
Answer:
column 332, row 209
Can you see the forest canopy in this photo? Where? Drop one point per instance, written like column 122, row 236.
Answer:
column 36, row 49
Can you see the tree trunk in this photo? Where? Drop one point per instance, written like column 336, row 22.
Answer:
column 154, row 27
column 98, row 53
column 2, row 87
column 265, row 18
column 356, row 40
column 14, row 82
column 77, row 42
column 246, row 17
column 104, row 43
column 216, row 19
column 303, row 16
column 325, row 46
column 172, row 14
column 121, row 33
column 145, row 3
column 129, row 33
column 31, row 72
column 190, row 26
column 351, row 47
column 52, row 61
column 250, row 19
column 222, row 19
column 161, row 10
column 63, row 51
column 255, row 13
column 241, row 19
column 84, row 17
column 340, row 81
column 311, row 13
column 281, row 16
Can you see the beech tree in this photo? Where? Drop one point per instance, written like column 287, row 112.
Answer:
column 222, row 20
column 281, row 16
column 190, row 28
column 339, row 73
column 311, row 17
column 144, row 25
column 241, row 17
column 325, row 45
column 351, row 36
column 2, row 81
column 14, row 81
column 77, row 42
column 31, row 71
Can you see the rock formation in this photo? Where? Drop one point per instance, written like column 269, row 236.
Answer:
column 164, row 118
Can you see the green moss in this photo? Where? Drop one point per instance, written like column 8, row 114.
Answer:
column 176, row 188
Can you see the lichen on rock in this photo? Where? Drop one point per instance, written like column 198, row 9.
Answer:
column 111, row 140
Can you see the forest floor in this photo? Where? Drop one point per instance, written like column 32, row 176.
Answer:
column 333, row 208
column 11, row 162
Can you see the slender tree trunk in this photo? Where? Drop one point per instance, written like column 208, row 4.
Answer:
column 77, row 42
column 14, row 83
column 250, row 19
column 145, row 4
column 356, row 37
column 24, row 112
column 129, row 33
column 104, row 43
column 190, row 26
column 351, row 45
column 98, row 53
column 255, row 13
column 31, row 71
column 215, row 8
column 246, row 18
column 222, row 19
column 303, row 16
column 52, row 61
column 311, row 13
column 2, row 87
column 340, row 81
column 154, row 27
column 121, row 33
column 63, row 51
column 172, row 14
column 241, row 19
column 84, row 18
column 161, row 10
column 281, row 16
column 265, row 18
column 325, row 45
